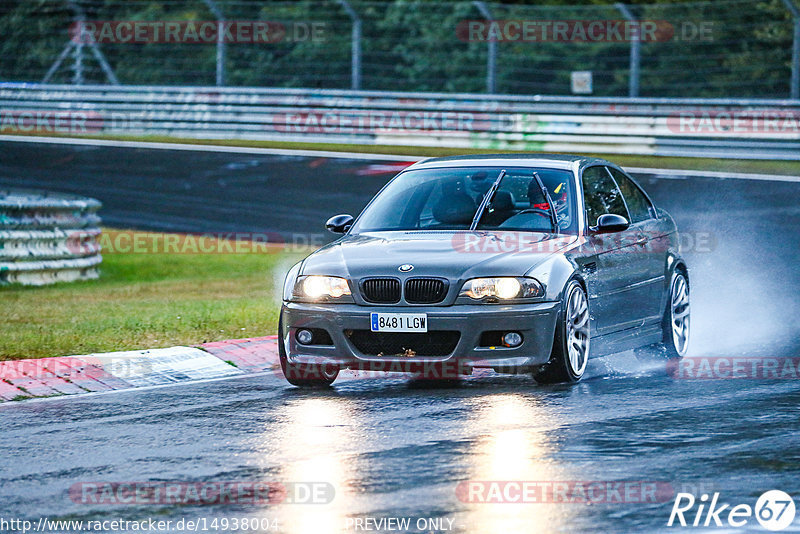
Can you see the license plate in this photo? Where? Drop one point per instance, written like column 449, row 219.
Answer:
column 399, row 322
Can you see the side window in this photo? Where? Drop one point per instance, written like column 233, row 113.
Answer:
column 601, row 195
column 638, row 205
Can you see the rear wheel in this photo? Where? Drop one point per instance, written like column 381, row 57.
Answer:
column 675, row 323
column 676, row 317
column 571, row 341
column 304, row 375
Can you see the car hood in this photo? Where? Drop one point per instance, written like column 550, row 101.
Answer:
column 452, row 255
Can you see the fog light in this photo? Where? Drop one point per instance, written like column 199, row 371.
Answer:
column 304, row 336
column 512, row 339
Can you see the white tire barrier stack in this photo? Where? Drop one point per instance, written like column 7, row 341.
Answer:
column 47, row 238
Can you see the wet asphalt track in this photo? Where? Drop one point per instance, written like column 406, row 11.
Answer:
column 394, row 448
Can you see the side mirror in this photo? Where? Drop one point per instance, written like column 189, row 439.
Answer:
column 610, row 223
column 339, row 224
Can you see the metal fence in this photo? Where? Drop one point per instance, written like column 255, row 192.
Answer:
column 669, row 127
column 720, row 48
column 47, row 238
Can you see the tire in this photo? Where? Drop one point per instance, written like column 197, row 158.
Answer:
column 571, row 340
column 304, row 375
column 675, row 324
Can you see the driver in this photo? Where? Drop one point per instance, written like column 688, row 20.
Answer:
column 558, row 194
column 479, row 184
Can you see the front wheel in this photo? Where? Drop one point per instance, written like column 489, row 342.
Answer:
column 571, row 341
column 304, row 375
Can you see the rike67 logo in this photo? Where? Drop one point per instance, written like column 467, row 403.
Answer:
column 774, row 510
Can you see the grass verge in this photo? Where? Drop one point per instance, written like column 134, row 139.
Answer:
column 146, row 301
column 791, row 168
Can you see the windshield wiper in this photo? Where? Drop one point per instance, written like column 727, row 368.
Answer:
column 546, row 195
column 486, row 199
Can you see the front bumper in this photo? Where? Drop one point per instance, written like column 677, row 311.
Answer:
column 536, row 322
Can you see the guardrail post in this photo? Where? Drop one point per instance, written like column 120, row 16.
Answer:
column 491, row 52
column 355, row 54
column 77, row 49
column 77, row 63
column 636, row 54
column 795, row 83
column 57, row 63
column 212, row 6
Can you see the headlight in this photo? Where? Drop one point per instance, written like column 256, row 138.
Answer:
column 502, row 288
column 320, row 288
column 290, row 280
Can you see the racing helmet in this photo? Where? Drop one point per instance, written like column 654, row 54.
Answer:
column 557, row 188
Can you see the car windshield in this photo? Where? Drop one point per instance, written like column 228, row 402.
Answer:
column 450, row 198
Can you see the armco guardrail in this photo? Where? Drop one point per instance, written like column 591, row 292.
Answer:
column 764, row 129
column 47, row 238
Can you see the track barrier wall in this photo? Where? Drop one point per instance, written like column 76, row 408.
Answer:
column 751, row 129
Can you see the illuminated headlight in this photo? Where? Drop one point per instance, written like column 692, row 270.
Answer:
column 290, row 281
column 502, row 288
column 321, row 288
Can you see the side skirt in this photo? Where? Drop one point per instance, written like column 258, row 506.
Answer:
column 625, row 340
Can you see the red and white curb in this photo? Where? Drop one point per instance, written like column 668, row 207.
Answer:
column 113, row 371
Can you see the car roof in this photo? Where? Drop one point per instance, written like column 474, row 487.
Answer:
column 554, row 161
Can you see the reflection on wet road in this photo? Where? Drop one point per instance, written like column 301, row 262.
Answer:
column 394, row 448
column 514, row 450
column 313, row 437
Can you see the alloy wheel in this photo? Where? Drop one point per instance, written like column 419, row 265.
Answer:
column 577, row 317
column 679, row 314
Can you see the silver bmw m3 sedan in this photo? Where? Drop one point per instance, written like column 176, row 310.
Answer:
column 518, row 263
